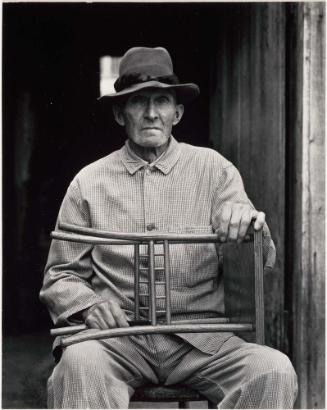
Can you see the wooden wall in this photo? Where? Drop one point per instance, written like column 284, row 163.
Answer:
column 306, row 131
column 247, row 125
column 267, row 116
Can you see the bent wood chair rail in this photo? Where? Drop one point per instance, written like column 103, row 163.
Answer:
column 140, row 324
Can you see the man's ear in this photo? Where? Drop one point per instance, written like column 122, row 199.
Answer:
column 118, row 115
column 179, row 113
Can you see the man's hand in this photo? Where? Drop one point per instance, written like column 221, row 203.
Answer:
column 235, row 219
column 105, row 315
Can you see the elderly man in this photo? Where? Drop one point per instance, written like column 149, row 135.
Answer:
column 155, row 183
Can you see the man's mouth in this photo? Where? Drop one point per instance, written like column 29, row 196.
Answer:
column 151, row 128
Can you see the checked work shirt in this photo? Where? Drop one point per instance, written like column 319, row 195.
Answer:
column 181, row 192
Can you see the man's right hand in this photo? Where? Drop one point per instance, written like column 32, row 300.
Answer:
column 105, row 315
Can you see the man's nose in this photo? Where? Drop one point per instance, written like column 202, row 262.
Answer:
column 151, row 111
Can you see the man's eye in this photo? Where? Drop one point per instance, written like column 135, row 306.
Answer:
column 137, row 100
column 162, row 100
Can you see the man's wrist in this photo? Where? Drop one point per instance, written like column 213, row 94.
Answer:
column 85, row 313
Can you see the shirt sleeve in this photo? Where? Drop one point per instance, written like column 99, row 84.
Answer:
column 230, row 188
column 66, row 286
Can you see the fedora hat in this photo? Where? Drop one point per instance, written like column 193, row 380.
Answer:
column 144, row 67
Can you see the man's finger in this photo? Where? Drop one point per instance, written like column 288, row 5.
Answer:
column 95, row 320
column 244, row 224
column 107, row 316
column 224, row 220
column 119, row 316
column 92, row 323
column 234, row 224
column 260, row 219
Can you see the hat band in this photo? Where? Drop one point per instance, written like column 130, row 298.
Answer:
column 128, row 80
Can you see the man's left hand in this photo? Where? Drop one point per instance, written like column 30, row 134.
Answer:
column 235, row 219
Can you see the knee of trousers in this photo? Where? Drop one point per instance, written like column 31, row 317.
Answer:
column 265, row 360
column 84, row 358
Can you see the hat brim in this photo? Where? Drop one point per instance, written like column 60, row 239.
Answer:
column 184, row 92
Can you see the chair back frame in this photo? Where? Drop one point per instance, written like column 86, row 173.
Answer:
column 74, row 233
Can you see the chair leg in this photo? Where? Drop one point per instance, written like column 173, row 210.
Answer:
column 184, row 405
column 211, row 405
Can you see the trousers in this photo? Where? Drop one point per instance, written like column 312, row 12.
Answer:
column 104, row 374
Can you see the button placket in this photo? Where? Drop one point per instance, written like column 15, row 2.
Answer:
column 149, row 198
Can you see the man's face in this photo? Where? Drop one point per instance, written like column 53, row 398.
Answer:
column 149, row 115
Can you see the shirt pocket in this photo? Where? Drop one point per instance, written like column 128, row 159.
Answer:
column 193, row 264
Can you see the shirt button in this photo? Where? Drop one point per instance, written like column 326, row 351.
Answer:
column 151, row 227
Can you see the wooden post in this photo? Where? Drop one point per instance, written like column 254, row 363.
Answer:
column 167, row 281
column 259, row 289
column 307, row 129
column 152, row 284
column 137, row 281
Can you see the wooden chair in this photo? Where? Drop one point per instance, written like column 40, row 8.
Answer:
column 235, row 321
column 183, row 395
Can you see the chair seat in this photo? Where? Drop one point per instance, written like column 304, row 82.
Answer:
column 153, row 393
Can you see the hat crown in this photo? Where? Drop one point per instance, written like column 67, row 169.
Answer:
column 145, row 67
column 155, row 62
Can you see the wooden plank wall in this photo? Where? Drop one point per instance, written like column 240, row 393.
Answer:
column 247, row 125
column 307, row 188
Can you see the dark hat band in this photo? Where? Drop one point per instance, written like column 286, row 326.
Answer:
column 128, row 80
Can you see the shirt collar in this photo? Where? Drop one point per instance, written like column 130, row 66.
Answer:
column 164, row 163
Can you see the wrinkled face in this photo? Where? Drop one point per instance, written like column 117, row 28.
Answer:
column 148, row 116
